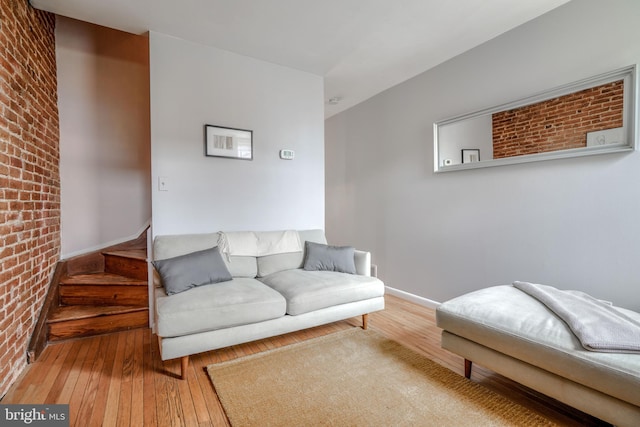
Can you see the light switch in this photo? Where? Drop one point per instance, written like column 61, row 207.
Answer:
column 163, row 184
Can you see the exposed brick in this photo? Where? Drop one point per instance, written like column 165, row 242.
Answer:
column 29, row 176
column 558, row 123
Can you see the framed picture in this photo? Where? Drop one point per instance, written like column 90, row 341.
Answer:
column 221, row 141
column 470, row 155
column 605, row 137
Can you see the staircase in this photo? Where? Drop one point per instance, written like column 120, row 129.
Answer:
column 95, row 293
column 111, row 300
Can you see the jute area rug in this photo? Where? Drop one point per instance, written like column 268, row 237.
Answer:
column 356, row 378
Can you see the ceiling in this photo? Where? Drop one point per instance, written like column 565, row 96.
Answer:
column 360, row 47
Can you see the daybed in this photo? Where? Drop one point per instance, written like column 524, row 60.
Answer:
column 262, row 289
column 514, row 334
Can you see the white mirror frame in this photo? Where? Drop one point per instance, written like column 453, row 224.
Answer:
column 628, row 74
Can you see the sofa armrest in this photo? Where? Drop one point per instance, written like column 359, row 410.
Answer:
column 362, row 260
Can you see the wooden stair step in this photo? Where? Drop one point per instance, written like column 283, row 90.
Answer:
column 139, row 254
column 131, row 263
column 77, row 312
column 104, row 296
column 101, row 279
column 82, row 321
column 103, row 289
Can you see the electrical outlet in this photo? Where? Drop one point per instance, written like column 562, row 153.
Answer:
column 163, row 184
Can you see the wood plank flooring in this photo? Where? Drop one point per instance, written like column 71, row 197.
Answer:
column 119, row 379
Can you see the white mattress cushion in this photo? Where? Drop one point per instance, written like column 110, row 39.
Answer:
column 221, row 305
column 507, row 320
column 307, row 291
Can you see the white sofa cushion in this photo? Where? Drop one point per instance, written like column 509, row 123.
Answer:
column 279, row 262
column 307, row 291
column 169, row 246
column 221, row 305
column 270, row 264
column 242, row 266
column 314, row 235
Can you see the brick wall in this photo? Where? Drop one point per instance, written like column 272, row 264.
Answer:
column 558, row 123
column 29, row 177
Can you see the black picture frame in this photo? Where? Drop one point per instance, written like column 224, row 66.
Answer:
column 470, row 155
column 231, row 143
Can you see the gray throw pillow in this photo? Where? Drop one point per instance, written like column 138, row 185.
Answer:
column 199, row 268
column 329, row 258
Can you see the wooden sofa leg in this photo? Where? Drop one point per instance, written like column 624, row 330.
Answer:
column 184, row 365
column 365, row 321
column 467, row 368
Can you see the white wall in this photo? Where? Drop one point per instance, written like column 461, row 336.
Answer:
column 193, row 85
column 103, row 100
column 571, row 223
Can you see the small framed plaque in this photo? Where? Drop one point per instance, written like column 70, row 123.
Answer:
column 470, row 155
column 222, row 141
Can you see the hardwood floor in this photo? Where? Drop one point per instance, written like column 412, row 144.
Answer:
column 119, row 379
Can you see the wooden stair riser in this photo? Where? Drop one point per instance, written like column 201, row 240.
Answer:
column 128, row 267
column 137, row 296
column 77, row 328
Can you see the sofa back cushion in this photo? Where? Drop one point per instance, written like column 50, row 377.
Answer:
column 316, row 236
column 170, row 246
column 279, row 262
column 241, row 266
column 270, row 264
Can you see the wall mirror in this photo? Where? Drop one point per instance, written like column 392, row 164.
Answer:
column 591, row 116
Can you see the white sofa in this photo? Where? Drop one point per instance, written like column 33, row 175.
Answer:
column 270, row 293
column 515, row 335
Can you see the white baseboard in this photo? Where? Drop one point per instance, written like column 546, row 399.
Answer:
column 107, row 244
column 413, row 298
